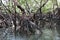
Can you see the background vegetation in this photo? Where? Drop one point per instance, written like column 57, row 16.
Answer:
column 32, row 5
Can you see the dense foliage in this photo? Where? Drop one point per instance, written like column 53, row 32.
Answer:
column 29, row 16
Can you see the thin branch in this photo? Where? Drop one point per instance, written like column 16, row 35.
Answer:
column 28, row 8
column 19, row 6
column 57, row 3
column 36, row 2
column 42, row 6
column 6, row 8
column 21, row 9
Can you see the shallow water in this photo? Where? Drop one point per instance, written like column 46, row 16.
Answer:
column 48, row 34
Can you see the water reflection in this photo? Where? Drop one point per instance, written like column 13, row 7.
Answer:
column 48, row 34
